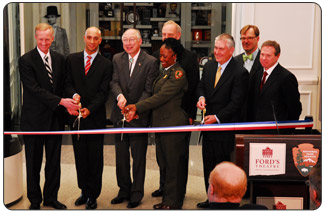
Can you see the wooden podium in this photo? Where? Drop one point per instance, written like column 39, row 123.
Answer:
column 272, row 183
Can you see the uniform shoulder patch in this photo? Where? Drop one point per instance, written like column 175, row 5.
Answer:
column 178, row 74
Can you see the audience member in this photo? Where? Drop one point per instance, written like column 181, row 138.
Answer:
column 315, row 185
column 227, row 186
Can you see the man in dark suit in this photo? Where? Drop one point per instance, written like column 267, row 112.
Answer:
column 133, row 77
column 88, row 78
column 276, row 96
column 227, row 185
column 188, row 61
column 221, row 90
column 42, row 75
column 250, row 60
column 60, row 43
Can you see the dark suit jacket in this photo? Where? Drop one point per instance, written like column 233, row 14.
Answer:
column 60, row 43
column 226, row 100
column 168, row 91
column 40, row 99
column 188, row 61
column 256, row 66
column 93, row 88
column 134, row 88
column 279, row 96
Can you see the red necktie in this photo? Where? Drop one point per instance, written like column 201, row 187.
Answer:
column 263, row 80
column 88, row 64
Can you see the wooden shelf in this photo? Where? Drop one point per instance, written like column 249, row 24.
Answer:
column 138, row 26
column 109, row 19
column 146, row 45
column 156, row 38
column 201, row 44
column 201, row 27
column 165, row 19
column 111, row 37
column 139, row 4
column 201, row 8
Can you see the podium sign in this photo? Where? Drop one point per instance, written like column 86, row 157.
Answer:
column 278, row 165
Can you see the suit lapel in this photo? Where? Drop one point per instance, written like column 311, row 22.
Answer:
column 42, row 70
column 138, row 65
column 226, row 74
column 256, row 65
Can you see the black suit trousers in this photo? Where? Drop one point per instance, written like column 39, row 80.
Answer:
column 34, row 146
column 137, row 143
column 173, row 150
column 88, row 153
column 213, row 152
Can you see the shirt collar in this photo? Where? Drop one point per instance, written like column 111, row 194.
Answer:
column 269, row 71
column 42, row 54
column 224, row 65
column 135, row 57
column 92, row 55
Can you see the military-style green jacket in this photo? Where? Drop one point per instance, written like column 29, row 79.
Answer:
column 168, row 90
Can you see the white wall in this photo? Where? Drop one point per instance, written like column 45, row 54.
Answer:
column 297, row 28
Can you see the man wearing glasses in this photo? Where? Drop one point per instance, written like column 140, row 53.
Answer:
column 133, row 76
column 249, row 59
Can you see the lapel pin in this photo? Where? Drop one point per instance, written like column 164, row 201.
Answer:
column 139, row 64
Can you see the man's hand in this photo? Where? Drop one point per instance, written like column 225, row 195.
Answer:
column 70, row 104
column 201, row 104
column 130, row 112
column 121, row 101
column 210, row 119
column 73, row 112
column 85, row 112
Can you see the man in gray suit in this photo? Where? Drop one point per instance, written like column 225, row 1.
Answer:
column 133, row 76
column 60, row 43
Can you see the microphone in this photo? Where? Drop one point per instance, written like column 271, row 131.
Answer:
column 274, row 116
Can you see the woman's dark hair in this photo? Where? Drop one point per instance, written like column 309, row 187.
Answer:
column 174, row 45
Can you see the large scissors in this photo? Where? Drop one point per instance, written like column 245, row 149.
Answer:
column 77, row 121
column 201, row 123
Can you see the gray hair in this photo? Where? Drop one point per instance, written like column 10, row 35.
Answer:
column 229, row 38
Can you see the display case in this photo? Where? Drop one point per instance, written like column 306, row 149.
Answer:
column 200, row 23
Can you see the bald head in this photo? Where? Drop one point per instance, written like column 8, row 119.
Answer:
column 228, row 182
column 94, row 30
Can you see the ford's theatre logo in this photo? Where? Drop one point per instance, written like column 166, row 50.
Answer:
column 305, row 157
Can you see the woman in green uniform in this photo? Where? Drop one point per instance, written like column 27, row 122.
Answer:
column 173, row 148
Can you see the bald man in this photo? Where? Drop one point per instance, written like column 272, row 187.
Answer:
column 88, row 78
column 227, row 186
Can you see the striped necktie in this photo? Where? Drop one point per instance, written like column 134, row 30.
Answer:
column 48, row 69
column 88, row 64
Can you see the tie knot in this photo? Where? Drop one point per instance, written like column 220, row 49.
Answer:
column 46, row 58
column 265, row 74
column 131, row 60
column 89, row 57
column 246, row 57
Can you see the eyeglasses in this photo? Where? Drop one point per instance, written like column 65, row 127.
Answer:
column 129, row 40
column 247, row 38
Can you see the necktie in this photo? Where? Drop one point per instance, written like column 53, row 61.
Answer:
column 130, row 66
column 263, row 80
column 88, row 64
column 218, row 75
column 245, row 57
column 48, row 69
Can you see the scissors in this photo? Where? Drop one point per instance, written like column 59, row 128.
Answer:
column 123, row 124
column 78, row 120
column 201, row 123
